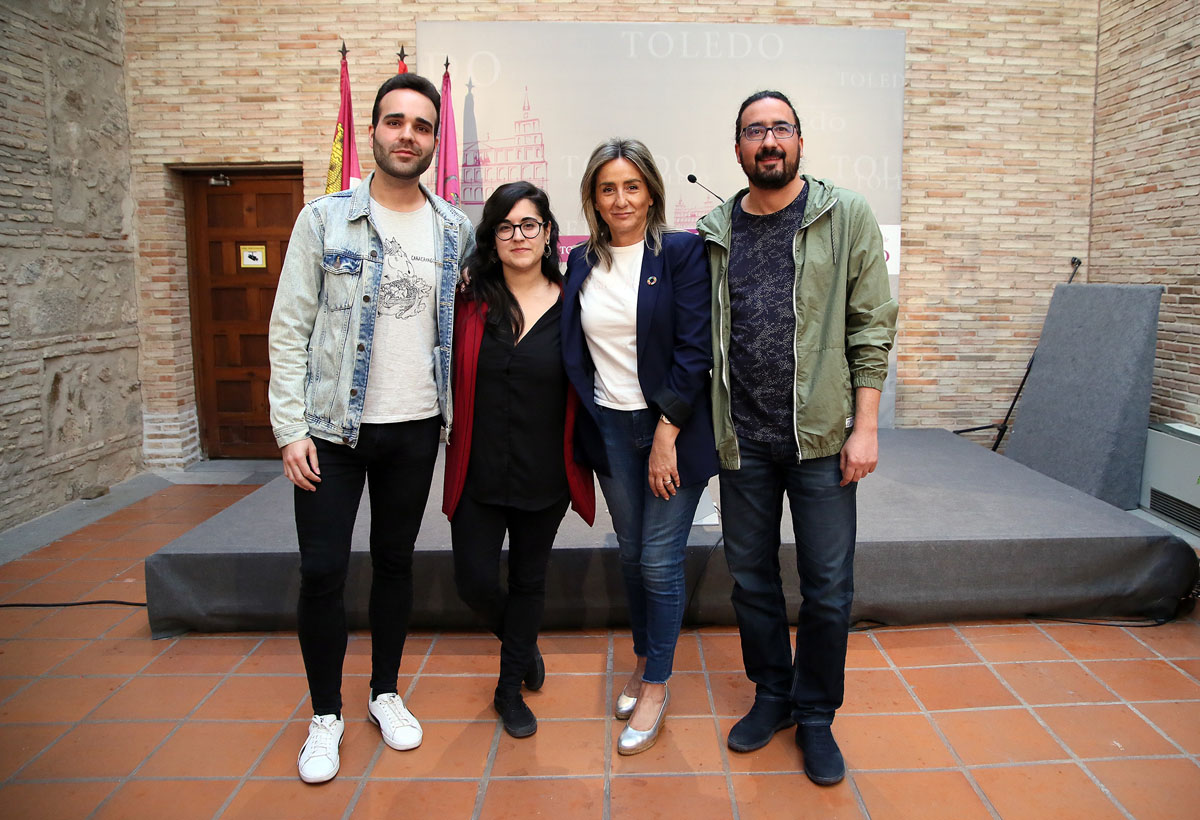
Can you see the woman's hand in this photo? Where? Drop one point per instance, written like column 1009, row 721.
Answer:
column 664, row 473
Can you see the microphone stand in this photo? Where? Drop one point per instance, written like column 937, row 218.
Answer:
column 1002, row 427
column 692, row 179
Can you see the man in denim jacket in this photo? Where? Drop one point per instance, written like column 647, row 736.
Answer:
column 360, row 381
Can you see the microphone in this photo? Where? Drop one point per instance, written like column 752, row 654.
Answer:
column 692, row 179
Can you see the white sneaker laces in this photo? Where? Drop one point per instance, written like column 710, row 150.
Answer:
column 393, row 707
column 321, row 737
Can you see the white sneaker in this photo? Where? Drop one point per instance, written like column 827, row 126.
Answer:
column 319, row 759
column 399, row 728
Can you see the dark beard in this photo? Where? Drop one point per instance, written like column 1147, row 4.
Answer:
column 773, row 180
column 392, row 167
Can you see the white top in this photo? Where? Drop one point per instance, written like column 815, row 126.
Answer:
column 400, row 384
column 608, row 312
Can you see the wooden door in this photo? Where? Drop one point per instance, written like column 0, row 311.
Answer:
column 237, row 238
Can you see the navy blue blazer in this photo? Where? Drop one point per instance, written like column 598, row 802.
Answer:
column 674, row 352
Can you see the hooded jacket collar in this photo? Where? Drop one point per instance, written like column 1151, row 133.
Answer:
column 717, row 224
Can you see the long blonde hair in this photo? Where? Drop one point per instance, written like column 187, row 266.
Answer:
column 599, row 244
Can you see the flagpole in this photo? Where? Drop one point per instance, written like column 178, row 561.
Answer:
column 446, row 173
column 344, row 169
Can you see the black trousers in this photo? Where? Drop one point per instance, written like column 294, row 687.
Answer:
column 398, row 460
column 515, row 616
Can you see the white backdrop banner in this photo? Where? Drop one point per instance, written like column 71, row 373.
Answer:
column 533, row 100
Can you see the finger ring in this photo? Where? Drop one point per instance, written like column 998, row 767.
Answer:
column 668, row 481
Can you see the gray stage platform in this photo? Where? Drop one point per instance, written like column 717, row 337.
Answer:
column 947, row 530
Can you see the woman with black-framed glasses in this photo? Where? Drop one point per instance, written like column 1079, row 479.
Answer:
column 509, row 464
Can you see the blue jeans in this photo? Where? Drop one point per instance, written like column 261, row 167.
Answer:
column 824, row 520
column 652, row 535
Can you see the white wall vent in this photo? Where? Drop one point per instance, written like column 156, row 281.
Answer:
column 1171, row 473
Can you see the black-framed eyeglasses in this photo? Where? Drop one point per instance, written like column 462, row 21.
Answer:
column 758, row 133
column 530, row 228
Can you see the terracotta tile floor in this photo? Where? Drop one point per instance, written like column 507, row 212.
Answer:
column 1010, row 720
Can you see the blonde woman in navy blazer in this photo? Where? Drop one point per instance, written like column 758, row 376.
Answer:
column 637, row 349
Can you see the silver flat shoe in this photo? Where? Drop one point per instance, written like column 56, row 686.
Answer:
column 632, row 741
column 625, row 706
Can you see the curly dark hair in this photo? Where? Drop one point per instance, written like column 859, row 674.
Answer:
column 483, row 265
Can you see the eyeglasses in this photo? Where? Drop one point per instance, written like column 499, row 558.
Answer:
column 530, row 228
column 758, row 133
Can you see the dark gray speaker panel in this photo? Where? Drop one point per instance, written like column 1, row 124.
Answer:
column 1083, row 415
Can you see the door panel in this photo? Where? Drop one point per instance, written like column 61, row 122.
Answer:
column 237, row 238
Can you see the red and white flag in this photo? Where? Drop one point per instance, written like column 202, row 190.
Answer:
column 344, row 170
column 447, row 152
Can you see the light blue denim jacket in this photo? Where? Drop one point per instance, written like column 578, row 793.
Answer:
column 323, row 320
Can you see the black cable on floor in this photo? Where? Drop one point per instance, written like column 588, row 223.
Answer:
column 1140, row 623
column 76, row 603
column 867, row 626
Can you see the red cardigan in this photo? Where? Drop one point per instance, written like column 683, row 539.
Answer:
column 469, row 317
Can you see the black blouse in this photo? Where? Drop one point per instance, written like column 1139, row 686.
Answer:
column 520, row 412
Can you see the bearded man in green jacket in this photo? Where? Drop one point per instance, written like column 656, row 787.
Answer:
column 803, row 319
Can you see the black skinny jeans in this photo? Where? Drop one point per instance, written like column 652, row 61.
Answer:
column 477, row 535
column 398, row 460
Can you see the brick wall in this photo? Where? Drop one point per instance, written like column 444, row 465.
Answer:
column 171, row 430
column 70, row 400
column 1146, row 205
column 997, row 157
column 1009, row 107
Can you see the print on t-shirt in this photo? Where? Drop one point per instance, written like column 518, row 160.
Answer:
column 402, row 293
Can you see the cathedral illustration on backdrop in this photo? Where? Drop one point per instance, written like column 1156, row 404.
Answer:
column 687, row 216
column 488, row 163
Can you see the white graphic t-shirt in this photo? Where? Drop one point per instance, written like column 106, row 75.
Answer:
column 400, row 384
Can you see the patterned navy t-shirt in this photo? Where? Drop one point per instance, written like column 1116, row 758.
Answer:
column 762, row 275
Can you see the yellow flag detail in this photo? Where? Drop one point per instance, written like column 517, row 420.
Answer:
column 333, row 182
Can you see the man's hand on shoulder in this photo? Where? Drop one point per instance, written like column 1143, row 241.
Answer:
column 300, row 464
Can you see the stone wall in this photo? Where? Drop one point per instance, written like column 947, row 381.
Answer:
column 1146, row 205
column 70, row 395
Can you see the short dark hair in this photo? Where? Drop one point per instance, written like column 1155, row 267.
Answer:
column 487, row 274
column 415, row 82
column 763, row 95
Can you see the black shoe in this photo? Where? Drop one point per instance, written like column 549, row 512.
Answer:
column 535, row 675
column 517, row 718
column 823, row 761
column 755, row 730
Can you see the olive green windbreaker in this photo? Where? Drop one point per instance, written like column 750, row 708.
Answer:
column 845, row 317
